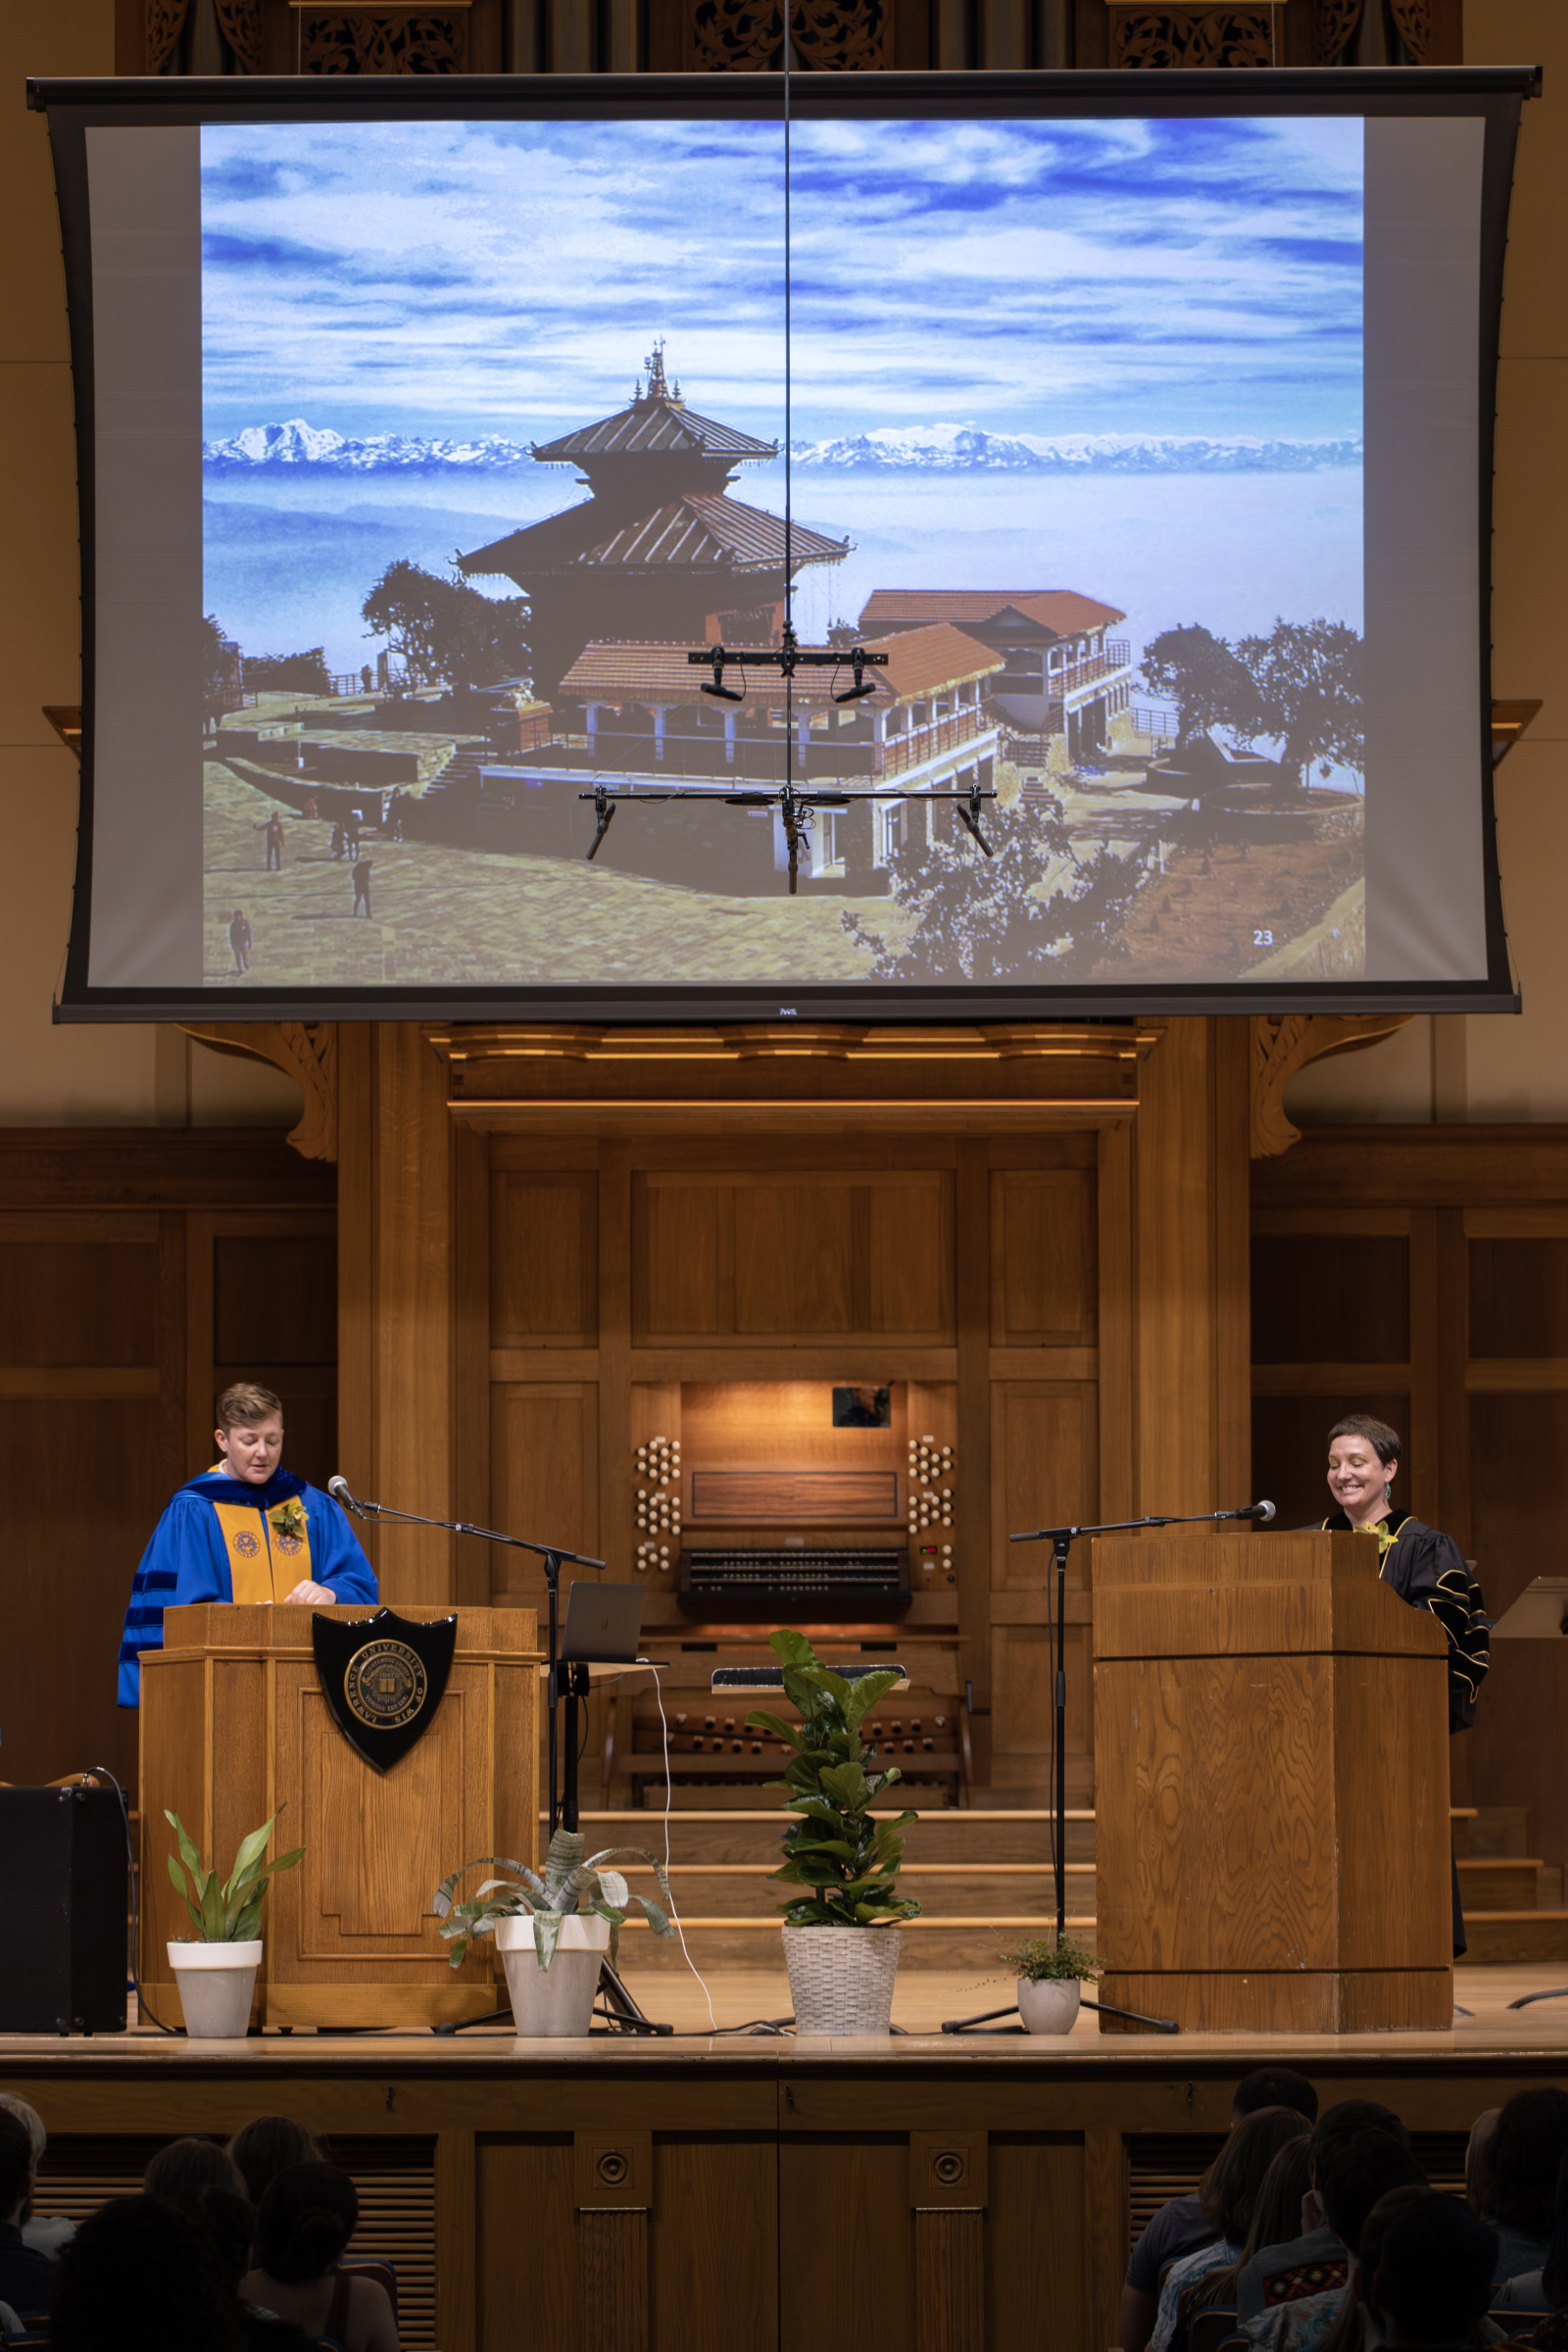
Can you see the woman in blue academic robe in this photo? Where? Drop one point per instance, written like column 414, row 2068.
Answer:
column 246, row 1530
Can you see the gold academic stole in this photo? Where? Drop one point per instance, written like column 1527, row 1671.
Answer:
column 252, row 1557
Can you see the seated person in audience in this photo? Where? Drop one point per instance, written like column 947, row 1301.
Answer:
column 1306, row 2265
column 1181, row 2226
column 24, row 2274
column 1433, row 2281
column 1279, row 2207
column 139, row 2277
column 1546, row 2289
column 305, row 2220
column 1357, row 2328
column 1513, row 2180
column 268, row 2144
column 1230, row 2192
column 228, row 2222
column 46, row 2233
column 1352, row 2176
column 190, row 2164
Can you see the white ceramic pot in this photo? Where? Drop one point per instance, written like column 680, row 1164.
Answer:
column 841, row 1979
column 557, row 1999
column 1048, row 2004
column 217, row 1983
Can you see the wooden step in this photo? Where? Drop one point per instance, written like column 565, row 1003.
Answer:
column 944, row 1889
column 1499, row 1882
column 1515, row 1939
column 972, row 1943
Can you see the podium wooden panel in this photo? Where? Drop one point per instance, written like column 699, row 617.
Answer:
column 1272, row 1803
column 234, row 1726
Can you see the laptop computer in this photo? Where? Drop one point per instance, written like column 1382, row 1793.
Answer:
column 604, row 1623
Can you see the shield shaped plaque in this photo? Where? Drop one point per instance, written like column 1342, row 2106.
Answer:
column 383, row 1677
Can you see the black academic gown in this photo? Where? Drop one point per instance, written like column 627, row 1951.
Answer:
column 1428, row 1569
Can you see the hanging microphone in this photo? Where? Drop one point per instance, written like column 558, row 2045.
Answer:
column 1262, row 1512
column 338, row 1488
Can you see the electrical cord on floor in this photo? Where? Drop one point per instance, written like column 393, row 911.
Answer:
column 143, row 2007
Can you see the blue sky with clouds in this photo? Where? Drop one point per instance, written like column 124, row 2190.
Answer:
column 1028, row 276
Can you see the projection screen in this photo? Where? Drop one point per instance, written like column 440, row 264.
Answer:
column 1125, row 438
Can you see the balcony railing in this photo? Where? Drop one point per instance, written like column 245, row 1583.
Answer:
column 760, row 759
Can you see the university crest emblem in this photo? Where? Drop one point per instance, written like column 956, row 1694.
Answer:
column 383, row 1677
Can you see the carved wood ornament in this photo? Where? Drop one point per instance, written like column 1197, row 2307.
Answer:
column 748, row 35
column 395, row 40
column 1281, row 1044
column 304, row 1051
column 1195, row 36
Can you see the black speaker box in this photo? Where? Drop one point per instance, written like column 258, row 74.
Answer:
column 63, row 1911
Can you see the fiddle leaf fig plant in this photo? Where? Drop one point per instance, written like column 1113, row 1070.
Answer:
column 845, row 1857
column 227, row 1912
column 571, row 1885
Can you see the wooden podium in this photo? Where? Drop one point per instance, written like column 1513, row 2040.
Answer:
column 234, row 1726
column 1271, row 1802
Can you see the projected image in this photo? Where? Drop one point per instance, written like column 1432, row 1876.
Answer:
column 496, row 434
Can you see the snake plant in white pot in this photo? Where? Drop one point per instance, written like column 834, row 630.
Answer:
column 841, row 1945
column 552, row 1932
column 215, row 1970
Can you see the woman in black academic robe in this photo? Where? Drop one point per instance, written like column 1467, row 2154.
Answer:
column 1424, row 1566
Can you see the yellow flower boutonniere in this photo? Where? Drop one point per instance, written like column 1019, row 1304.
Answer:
column 288, row 1521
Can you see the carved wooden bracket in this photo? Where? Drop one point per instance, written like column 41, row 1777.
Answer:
column 304, row 1051
column 1283, row 1044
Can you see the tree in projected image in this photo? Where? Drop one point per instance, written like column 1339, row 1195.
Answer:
column 1300, row 687
column 975, row 919
column 447, row 633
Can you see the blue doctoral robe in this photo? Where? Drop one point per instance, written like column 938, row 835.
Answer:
column 187, row 1560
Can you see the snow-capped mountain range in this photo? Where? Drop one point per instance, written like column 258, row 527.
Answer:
column 297, row 447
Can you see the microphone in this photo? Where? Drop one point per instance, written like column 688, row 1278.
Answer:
column 338, row 1488
column 1262, row 1512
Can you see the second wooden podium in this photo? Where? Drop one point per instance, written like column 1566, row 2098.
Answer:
column 1271, row 1799
column 234, row 1725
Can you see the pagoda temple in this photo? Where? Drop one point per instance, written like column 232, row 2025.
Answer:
column 659, row 551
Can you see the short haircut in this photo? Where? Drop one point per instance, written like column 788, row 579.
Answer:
column 268, row 2144
column 1354, row 2174
column 1275, row 2086
column 1386, row 1443
column 1521, row 2158
column 246, row 1402
column 1434, row 2273
column 30, row 2120
column 186, row 2165
column 16, row 2163
column 1345, row 2118
column 1230, row 2188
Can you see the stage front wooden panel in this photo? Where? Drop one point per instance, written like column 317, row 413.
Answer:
column 234, row 1727
column 1271, row 1743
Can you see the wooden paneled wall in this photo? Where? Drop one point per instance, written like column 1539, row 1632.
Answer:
column 1422, row 1274
column 139, row 1274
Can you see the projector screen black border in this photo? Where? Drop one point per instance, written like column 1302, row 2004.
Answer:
column 1494, row 93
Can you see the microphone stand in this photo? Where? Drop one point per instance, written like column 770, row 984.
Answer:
column 1061, row 1539
column 623, row 2008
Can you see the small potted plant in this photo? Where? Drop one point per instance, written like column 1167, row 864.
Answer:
column 1050, row 1978
column 215, row 1971
column 553, row 1931
column 840, row 1943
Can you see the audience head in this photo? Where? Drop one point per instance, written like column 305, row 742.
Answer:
column 1344, row 2121
column 1519, row 2162
column 1274, row 2086
column 1554, row 2271
column 228, row 2222
column 1368, row 2252
column 305, row 2220
column 190, row 2164
column 1475, row 2157
column 1433, row 2281
column 16, row 2165
column 139, row 2277
column 268, row 2144
column 1276, row 2216
column 1231, row 2186
column 1355, row 2174
column 31, row 2121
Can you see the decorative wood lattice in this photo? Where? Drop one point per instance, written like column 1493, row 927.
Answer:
column 240, row 23
column 1336, row 22
column 165, row 21
column 747, row 37
column 1192, row 36
column 346, row 40
column 1413, row 19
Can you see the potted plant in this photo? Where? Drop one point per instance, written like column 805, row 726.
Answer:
column 1050, row 1979
column 215, row 1971
column 551, row 1933
column 840, row 1943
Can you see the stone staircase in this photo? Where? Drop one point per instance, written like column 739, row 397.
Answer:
column 984, row 1880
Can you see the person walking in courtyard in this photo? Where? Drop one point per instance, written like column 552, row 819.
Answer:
column 361, row 886
column 239, row 939
column 274, row 843
column 338, row 843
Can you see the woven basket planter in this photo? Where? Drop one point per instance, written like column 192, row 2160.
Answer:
column 841, row 1979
